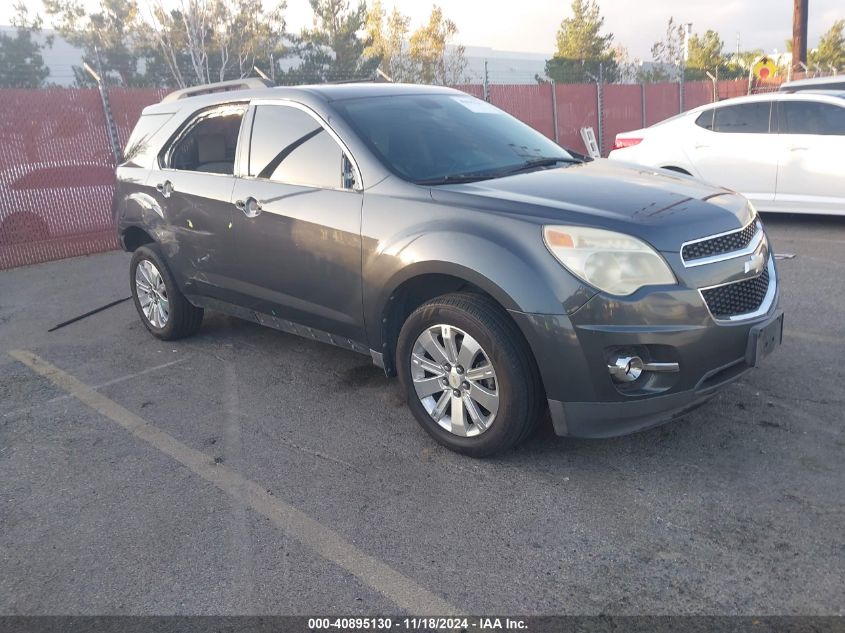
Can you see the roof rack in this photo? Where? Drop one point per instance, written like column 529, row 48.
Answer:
column 221, row 86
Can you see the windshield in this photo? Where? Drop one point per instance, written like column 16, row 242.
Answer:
column 431, row 139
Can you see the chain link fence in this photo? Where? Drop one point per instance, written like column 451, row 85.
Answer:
column 57, row 164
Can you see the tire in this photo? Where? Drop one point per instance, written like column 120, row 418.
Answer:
column 172, row 318
column 515, row 381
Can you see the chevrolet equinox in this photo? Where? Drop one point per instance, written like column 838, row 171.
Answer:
column 496, row 273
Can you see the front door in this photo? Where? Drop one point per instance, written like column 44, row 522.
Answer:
column 298, row 223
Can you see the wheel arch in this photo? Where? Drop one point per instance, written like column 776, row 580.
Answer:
column 418, row 284
column 133, row 237
column 677, row 169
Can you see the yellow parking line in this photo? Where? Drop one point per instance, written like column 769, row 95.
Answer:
column 404, row 592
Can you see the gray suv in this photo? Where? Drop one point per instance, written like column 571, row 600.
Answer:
column 497, row 274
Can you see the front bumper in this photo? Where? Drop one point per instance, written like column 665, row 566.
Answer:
column 668, row 326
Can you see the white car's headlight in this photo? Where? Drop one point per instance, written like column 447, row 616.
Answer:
column 613, row 262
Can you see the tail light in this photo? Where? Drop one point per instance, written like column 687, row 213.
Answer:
column 622, row 143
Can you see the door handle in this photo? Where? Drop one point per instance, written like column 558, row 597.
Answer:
column 701, row 146
column 165, row 188
column 251, row 207
column 796, row 148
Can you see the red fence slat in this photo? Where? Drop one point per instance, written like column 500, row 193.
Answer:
column 623, row 112
column 126, row 106
column 729, row 88
column 56, row 176
column 662, row 101
column 530, row 104
column 697, row 93
column 577, row 107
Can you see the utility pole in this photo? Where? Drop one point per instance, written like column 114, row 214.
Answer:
column 687, row 35
column 799, row 34
column 486, row 83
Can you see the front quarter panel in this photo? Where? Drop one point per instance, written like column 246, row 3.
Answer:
column 406, row 234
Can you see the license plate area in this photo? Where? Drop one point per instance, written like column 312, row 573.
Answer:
column 764, row 338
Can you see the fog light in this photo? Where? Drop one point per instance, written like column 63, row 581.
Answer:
column 626, row 368
column 629, row 368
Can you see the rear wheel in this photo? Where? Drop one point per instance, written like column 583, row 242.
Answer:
column 163, row 309
column 468, row 375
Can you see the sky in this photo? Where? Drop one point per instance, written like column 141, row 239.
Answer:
column 531, row 25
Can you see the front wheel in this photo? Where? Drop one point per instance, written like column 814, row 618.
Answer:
column 468, row 375
column 163, row 309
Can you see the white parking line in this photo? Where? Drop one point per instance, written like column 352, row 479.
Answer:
column 404, row 592
column 108, row 383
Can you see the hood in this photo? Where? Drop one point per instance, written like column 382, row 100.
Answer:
column 657, row 206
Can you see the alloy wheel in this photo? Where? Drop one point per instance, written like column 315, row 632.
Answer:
column 152, row 293
column 455, row 380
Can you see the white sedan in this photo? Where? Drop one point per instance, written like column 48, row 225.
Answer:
column 784, row 152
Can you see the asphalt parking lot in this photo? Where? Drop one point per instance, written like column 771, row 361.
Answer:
column 246, row 471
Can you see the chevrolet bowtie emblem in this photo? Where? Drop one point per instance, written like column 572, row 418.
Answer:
column 755, row 264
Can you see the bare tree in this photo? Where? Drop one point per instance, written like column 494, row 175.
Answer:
column 201, row 39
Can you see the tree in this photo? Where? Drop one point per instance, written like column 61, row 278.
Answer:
column 705, row 52
column 430, row 54
column 739, row 64
column 582, row 50
column 387, row 37
column 706, row 55
column 21, row 63
column 202, row 41
column 667, row 56
column 333, row 49
column 831, row 49
column 111, row 32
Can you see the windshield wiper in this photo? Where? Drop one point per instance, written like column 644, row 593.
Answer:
column 533, row 163
column 455, row 178
column 536, row 163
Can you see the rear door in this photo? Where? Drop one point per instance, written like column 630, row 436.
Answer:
column 733, row 146
column 298, row 207
column 811, row 176
column 194, row 187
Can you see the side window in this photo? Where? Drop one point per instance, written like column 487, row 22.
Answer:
column 705, row 119
column 138, row 147
column 811, row 117
column 747, row 118
column 288, row 145
column 208, row 143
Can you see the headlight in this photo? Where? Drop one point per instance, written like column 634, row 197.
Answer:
column 613, row 262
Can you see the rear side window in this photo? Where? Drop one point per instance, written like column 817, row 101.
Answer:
column 746, row 118
column 290, row 146
column 705, row 120
column 139, row 148
column 208, row 143
column 811, row 117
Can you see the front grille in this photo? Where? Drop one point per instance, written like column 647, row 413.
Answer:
column 737, row 298
column 723, row 244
